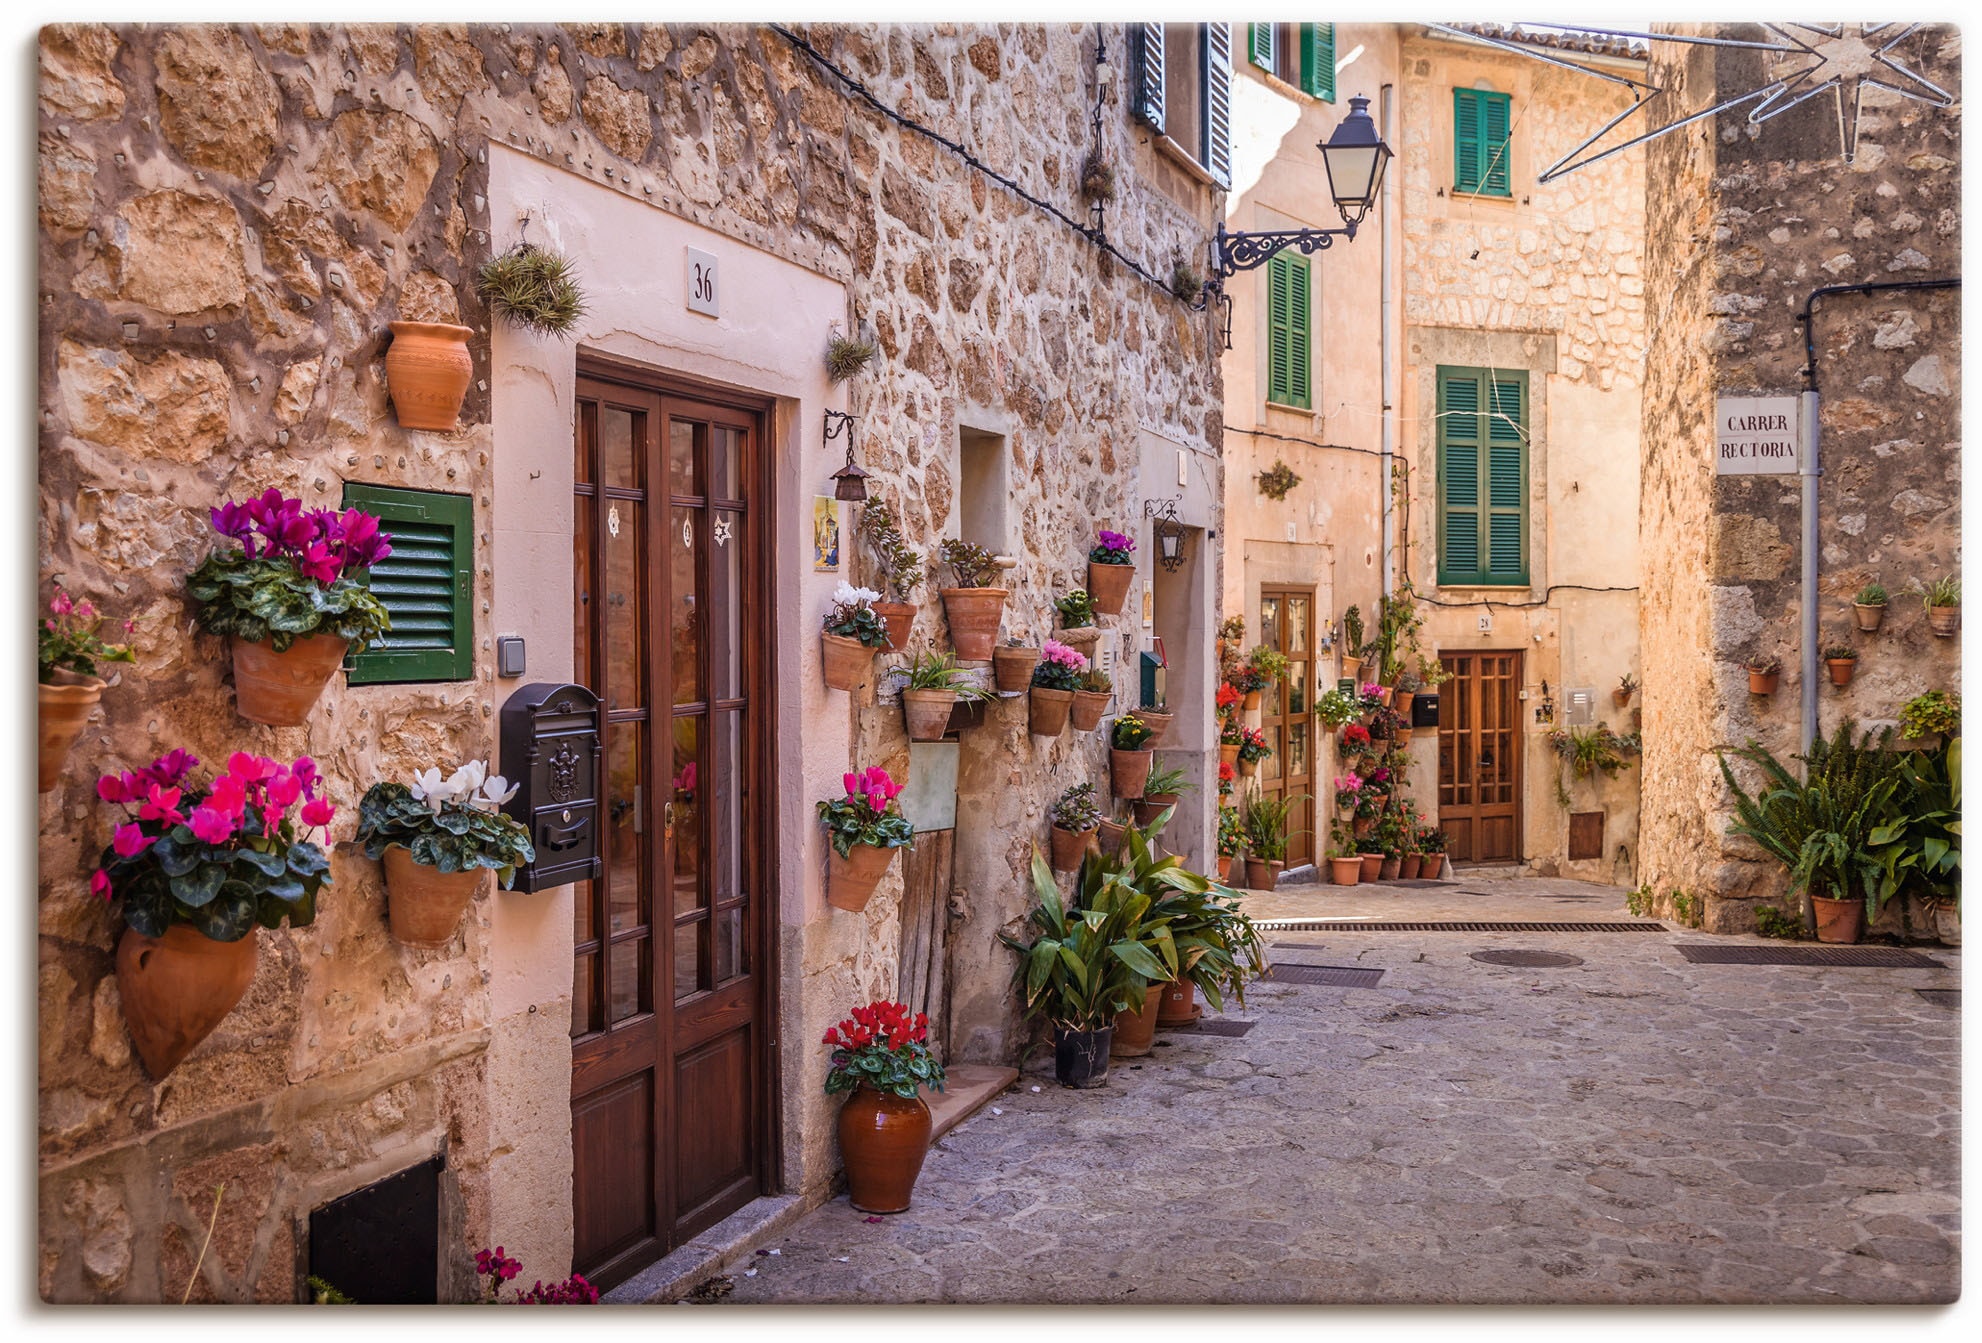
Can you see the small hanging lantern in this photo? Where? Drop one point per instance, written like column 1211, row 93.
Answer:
column 849, row 482
column 1169, row 533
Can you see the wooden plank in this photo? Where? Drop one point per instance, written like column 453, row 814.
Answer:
column 925, row 923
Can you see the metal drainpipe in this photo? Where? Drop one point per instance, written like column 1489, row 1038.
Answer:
column 1811, row 470
column 1386, row 349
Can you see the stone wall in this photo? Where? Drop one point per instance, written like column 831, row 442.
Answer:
column 1745, row 223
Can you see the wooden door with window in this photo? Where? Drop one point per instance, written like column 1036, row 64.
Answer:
column 672, row 1012
column 1286, row 624
column 1479, row 757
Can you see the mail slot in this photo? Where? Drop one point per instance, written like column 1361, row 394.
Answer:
column 1424, row 710
column 550, row 748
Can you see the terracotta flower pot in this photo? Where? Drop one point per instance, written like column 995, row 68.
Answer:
column 427, row 369
column 1352, row 669
column 849, row 663
column 1401, row 702
column 1372, row 864
column 1080, row 1058
column 1012, row 667
column 1838, row 920
column 280, row 689
column 899, row 618
column 1361, row 825
column 1135, row 1032
column 1388, row 870
column 1407, row 869
column 1068, row 847
column 1943, row 620
column 1841, row 669
column 1345, row 871
column 974, row 614
column 927, row 713
column 850, row 881
column 1110, row 835
column 1763, row 683
column 1108, row 585
column 1263, row 874
column 1251, row 701
column 1129, row 770
column 1179, row 1005
column 65, row 708
column 176, row 988
column 1247, row 768
column 1158, row 723
column 1081, row 640
column 423, row 904
column 1620, row 697
column 1150, row 805
column 1225, row 866
column 883, row 1139
column 1228, row 753
column 1090, row 706
column 1868, row 617
column 1046, row 711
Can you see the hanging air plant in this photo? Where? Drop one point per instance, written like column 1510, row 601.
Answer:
column 1278, row 480
column 533, row 287
column 847, row 355
column 1097, row 178
column 1185, row 282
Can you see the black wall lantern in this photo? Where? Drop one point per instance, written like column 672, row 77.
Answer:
column 1169, row 533
column 849, row 482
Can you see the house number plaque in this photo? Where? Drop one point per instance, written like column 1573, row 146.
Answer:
column 704, row 293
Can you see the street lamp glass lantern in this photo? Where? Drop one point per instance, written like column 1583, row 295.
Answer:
column 1355, row 157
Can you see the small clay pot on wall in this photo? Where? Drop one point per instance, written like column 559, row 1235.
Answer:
column 65, row 706
column 1762, row 683
column 1108, row 586
column 974, row 614
column 1868, row 617
column 1069, row 847
column 1090, row 706
column 849, row 663
column 1046, row 710
column 1944, row 620
column 423, row 904
column 1841, row 670
column 1012, row 667
column 427, row 370
column 1157, row 723
column 1129, row 770
column 850, row 881
column 899, row 619
column 175, row 989
column 280, row 689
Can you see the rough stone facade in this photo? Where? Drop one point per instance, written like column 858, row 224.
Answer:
column 229, row 219
column 1743, row 224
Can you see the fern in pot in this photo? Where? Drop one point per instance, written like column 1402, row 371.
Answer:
column 436, row 837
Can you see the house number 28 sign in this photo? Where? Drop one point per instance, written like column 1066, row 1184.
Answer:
column 704, row 291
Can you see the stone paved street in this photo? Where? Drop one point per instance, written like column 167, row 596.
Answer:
column 1633, row 1129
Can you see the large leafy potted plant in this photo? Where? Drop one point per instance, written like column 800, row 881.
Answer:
column 69, row 688
column 1129, row 756
column 1218, row 948
column 901, row 569
column 935, row 684
column 436, row 837
column 973, row 607
column 1059, row 672
column 1265, row 822
column 197, row 868
column 851, row 636
column 1110, row 569
column 1076, row 820
column 881, row 1055
column 1162, row 790
column 863, row 828
column 292, row 600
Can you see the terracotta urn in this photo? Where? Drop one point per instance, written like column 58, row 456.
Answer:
column 280, row 689
column 1944, row 620
column 899, row 619
column 1090, row 706
column 883, row 1139
column 175, row 989
column 974, row 614
column 1841, row 921
column 1372, row 865
column 927, row 713
column 423, row 904
column 850, row 881
column 1179, row 1005
column 1108, row 585
column 1012, row 667
column 1046, row 711
column 427, row 370
column 1263, row 874
column 65, row 707
column 1158, row 723
column 1135, row 1032
column 849, row 662
column 1129, row 770
column 1069, row 847
column 1868, row 616
column 1841, row 670
column 1345, row 871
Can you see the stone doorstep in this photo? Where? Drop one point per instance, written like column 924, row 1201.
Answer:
column 970, row 1087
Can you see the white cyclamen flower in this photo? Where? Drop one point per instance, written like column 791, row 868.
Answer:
column 495, row 791
column 468, row 778
column 428, row 788
column 846, row 594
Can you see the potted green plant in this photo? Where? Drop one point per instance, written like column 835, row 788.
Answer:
column 863, row 828
column 292, row 599
column 881, row 1055
column 1942, row 598
column 901, row 569
column 935, row 684
column 1934, row 713
column 436, row 837
column 1265, row 821
column 1061, row 671
column 1076, row 819
column 1077, row 629
column 1336, row 708
column 1129, row 755
column 1012, row 664
column 1218, row 948
column 1627, row 686
column 1163, row 789
column 1369, row 850
column 1231, row 635
column 1841, row 661
column 1763, row 673
column 1352, row 642
column 69, row 689
column 852, row 635
column 1110, row 568
column 197, row 869
column 1345, row 866
column 1091, row 700
column 1437, row 866
column 1869, row 607
column 1266, row 667
column 1231, row 838
column 1252, row 750
column 973, row 606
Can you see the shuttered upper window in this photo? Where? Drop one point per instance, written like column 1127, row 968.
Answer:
column 1318, row 60
column 1480, row 145
column 427, row 584
column 1482, row 477
column 1303, row 54
column 1287, row 325
column 1184, row 89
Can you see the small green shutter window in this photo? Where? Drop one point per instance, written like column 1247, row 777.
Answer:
column 427, row 584
column 1480, row 122
column 1287, row 324
column 1318, row 60
column 1482, row 477
column 1259, row 45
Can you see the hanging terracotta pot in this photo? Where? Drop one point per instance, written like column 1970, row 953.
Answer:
column 1150, row 805
column 1372, row 864
column 1943, row 620
column 1129, row 770
column 1404, row 734
column 1841, row 670
column 1361, row 825
column 1247, row 768
column 175, row 989
column 1868, row 617
column 1840, row 921
column 65, row 707
column 1108, row 585
column 850, row 881
column 1620, row 697
column 1111, row 834
column 1763, row 683
column 974, row 614
column 849, row 662
column 1352, row 669
column 1046, row 711
column 1407, row 869
column 1090, row 706
column 1228, row 753
column 1402, row 703
column 1082, row 640
column 1135, row 1032
column 883, row 1139
column 1179, row 1006
column 423, row 904
column 1263, row 874
column 899, row 619
column 1012, row 667
column 1251, row 701
column 1345, row 871
column 1069, row 847
column 928, row 713
column 280, row 689
column 1158, row 724
column 427, row 370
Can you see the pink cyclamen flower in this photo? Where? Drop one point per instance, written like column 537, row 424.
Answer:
column 210, row 826
column 130, row 841
column 318, row 811
column 99, row 884
column 60, row 603
column 851, row 782
column 284, row 789
column 114, row 788
column 160, row 804
column 250, row 768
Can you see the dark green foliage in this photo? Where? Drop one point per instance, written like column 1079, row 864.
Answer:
column 971, row 564
column 1772, row 922
column 455, row 839
column 847, row 355
column 266, row 601
column 220, row 890
column 533, row 287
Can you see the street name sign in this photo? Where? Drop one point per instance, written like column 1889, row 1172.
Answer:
column 1755, row 436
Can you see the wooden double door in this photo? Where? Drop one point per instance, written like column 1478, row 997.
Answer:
column 1286, row 625
column 672, row 1016
column 1479, row 757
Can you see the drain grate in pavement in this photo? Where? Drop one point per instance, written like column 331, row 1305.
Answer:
column 1335, row 976
column 1711, row 953
column 1213, row 1026
column 1298, row 946
column 1948, row 998
column 1468, row 926
column 1534, row 960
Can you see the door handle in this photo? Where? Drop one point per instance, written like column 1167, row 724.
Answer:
column 667, row 823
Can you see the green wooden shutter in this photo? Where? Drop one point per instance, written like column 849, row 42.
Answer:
column 427, row 584
column 1507, row 480
column 1259, row 45
column 1481, row 123
column 1482, row 477
column 1318, row 60
column 1458, row 476
column 1288, row 322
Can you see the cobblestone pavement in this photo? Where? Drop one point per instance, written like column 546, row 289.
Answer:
column 1631, row 1129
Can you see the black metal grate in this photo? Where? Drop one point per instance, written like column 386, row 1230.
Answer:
column 1468, row 926
column 1213, row 1026
column 381, row 1244
column 1298, row 946
column 1334, row 976
column 1714, row 953
column 1948, row 998
column 1530, row 960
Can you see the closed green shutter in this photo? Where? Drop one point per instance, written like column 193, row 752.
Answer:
column 1482, row 477
column 1318, row 60
column 1288, row 365
column 1259, row 45
column 1481, row 124
column 427, row 584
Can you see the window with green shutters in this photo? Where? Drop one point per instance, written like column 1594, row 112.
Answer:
column 1482, row 477
column 427, row 584
column 1300, row 53
column 1287, row 306
column 1480, row 148
column 1318, row 60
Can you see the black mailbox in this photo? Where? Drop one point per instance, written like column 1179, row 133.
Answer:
column 550, row 749
column 1424, row 710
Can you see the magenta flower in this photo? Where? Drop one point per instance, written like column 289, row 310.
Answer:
column 60, row 603
column 130, row 841
column 250, row 768
column 318, row 811
column 210, row 826
column 1116, row 540
column 99, row 884
column 284, row 789
column 229, row 796
column 169, row 769
column 161, row 804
